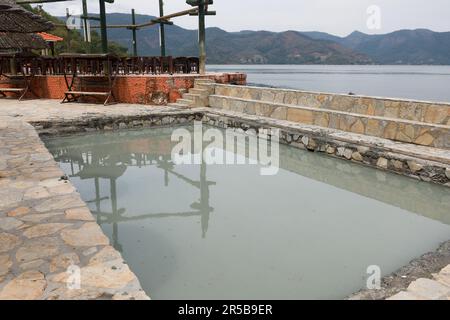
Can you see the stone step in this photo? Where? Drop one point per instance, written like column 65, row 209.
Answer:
column 394, row 129
column 204, row 81
column 198, row 91
column 198, row 101
column 178, row 105
column 429, row 112
column 185, row 102
column 209, row 87
column 189, row 96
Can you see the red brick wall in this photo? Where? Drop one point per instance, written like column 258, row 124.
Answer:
column 152, row 90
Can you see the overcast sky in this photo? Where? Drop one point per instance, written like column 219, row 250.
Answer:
column 339, row 17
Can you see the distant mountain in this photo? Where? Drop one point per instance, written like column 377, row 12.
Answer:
column 419, row 46
column 291, row 47
column 245, row 47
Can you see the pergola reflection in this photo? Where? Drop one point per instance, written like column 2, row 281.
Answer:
column 110, row 162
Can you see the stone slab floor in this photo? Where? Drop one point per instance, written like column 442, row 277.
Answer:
column 46, row 230
column 47, row 234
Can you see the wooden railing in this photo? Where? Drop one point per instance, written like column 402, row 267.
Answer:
column 94, row 65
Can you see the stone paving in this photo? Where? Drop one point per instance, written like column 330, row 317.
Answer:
column 437, row 288
column 45, row 227
column 52, row 110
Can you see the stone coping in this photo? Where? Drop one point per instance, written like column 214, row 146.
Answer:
column 434, row 156
column 356, row 96
column 45, row 226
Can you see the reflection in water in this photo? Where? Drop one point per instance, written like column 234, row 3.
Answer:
column 102, row 162
column 309, row 232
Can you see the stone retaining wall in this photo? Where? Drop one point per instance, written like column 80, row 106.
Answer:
column 341, row 145
column 395, row 129
column 428, row 112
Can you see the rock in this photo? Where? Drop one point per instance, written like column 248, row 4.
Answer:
column 29, row 285
column 66, row 188
column 136, row 295
column 36, row 193
column 88, row 235
column 64, row 293
column 83, row 214
column 397, row 164
column 344, row 152
column 10, row 198
column 312, row 145
column 447, row 173
column 429, row 289
column 426, row 139
column 305, row 140
column 50, row 183
column 106, row 254
column 405, row 296
column 9, row 223
column 38, row 248
column 362, row 149
column 358, row 127
column 58, row 203
column 90, row 251
column 414, row 166
column 22, row 184
column 42, row 230
column 32, row 265
column 331, row 150
column 8, row 242
column 64, row 261
column 35, row 218
column 18, row 212
column 5, row 264
column 357, row 156
column 382, row 163
column 109, row 275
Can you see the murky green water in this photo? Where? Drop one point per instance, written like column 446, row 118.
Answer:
column 209, row 232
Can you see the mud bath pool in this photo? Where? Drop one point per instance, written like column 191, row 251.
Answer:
column 226, row 232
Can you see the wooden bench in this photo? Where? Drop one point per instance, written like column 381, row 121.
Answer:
column 21, row 92
column 89, row 66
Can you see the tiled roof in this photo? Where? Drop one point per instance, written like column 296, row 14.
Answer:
column 14, row 18
column 50, row 37
column 10, row 41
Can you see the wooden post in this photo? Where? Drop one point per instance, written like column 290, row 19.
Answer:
column 162, row 32
column 202, row 36
column 133, row 21
column 68, row 31
column 85, row 26
column 104, row 33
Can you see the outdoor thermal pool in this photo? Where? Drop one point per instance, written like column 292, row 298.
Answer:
column 227, row 232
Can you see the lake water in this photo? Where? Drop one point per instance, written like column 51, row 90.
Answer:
column 410, row 82
column 226, row 232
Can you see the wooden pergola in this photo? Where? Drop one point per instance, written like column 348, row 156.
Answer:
column 199, row 8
